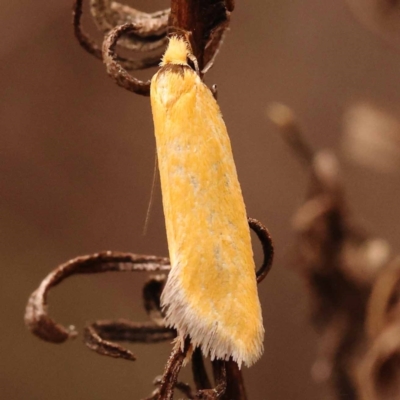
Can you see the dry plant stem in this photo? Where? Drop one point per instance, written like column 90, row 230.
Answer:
column 200, row 375
column 38, row 321
column 185, row 389
column 151, row 298
column 36, row 316
column 172, row 370
column 181, row 386
column 268, row 249
column 109, row 54
column 105, row 18
column 97, row 336
column 88, row 44
column 151, row 29
column 100, row 335
column 143, row 28
column 219, row 372
column 109, row 14
column 208, row 19
column 153, row 25
column 235, row 389
column 203, row 23
column 114, row 67
column 174, row 365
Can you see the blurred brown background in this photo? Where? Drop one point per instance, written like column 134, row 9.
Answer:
column 76, row 165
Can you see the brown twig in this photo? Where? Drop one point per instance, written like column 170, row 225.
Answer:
column 200, row 375
column 36, row 317
column 219, row 372
column 235, row 388
column 38, row 321
column 114, row 67
column 101, row 335
column 149, row 33
column 181, row 386
column 97, row 336
column 268, row 248
column 109, row 14
column 83, row 39
column 151, row 298
column 203, row 24
column 174, row 365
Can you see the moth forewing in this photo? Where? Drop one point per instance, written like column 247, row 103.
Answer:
column 211, row 292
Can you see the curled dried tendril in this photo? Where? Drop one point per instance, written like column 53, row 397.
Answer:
column 101, row 336
column 203, row 24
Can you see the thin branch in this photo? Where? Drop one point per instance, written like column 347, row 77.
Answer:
column 151, row 298
column 149, row 33
column 200, row 375
column 97, row 336
column 36, row 317
column 109, row 14
column 172, row 369
column 117, row 71
column 268, row 248
column 84, row 40
column 219, row 371
column 183, row 387
column 204, row 24
column 235, row 389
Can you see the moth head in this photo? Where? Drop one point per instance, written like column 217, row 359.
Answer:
column 177, row 52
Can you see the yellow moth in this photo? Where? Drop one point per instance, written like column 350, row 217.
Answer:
column 211, row 292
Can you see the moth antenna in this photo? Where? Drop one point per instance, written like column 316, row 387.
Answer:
column 193, row 59
column 150, row 204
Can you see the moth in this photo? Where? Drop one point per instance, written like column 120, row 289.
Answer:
column 211, row 291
